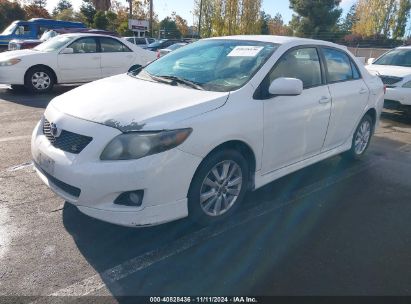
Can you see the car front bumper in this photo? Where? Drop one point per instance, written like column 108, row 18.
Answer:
column 399, row 94
column 165, row 177
column 12, row 74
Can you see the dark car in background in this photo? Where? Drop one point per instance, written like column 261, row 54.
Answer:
column 33, row 29
column 19, row 44
column 162, row 44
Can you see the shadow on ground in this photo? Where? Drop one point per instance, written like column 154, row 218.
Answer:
column 105, row 245
column 23, row 97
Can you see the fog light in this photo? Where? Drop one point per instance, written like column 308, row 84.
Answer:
column 130, row 198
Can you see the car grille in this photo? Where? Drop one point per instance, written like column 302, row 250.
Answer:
column 390, row 80
column 66, row 141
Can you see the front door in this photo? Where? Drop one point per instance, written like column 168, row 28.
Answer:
column 83, row 65
column 295, row 126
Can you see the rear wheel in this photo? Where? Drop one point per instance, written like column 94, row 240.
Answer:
column 361, row 139
column 39, row 80
column 218, row 187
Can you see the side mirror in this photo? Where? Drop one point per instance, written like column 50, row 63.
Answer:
column 286, row 86
column 370, row 60
column 67, row 51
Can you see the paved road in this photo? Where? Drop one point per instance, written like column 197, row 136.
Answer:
column 335, row 228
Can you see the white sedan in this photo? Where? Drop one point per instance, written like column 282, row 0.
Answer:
column 193, row 131
column 70, row 58
column 394, row 68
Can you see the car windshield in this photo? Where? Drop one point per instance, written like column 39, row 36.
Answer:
column 213, row 65
column 176, row 46
column 398, row 57
column 10, row 29
column 48, row 35
column 53, row 44
column 157, row 43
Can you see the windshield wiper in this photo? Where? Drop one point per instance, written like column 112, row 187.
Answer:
column 176, row 79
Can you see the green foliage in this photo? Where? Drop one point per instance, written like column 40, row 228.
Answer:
column 100, row 21
column 401, row 19
column 169, row 28
column 315, row 19
column 88, row 11
column 61, row 6
column 9, row 12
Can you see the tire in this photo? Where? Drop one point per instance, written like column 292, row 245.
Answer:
column 361, row 139
column 218, row 193
column 45, row 80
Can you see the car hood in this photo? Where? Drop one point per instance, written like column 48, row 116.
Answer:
column 17, row 54
column 390, row 70
column 130, row 104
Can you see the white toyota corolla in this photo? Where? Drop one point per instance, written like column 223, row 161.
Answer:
column 394, row 68
column 190, row 133
column 70, row 58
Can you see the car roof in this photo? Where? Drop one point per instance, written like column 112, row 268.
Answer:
column 85, row 35
column 284, row 40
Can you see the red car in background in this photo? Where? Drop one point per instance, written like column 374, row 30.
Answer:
column 20, row 44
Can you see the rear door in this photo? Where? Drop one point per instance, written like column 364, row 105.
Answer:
column 83, row 65
column 116, row 57
column 349, row 96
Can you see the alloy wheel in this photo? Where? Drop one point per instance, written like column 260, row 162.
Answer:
column 362, row 137
column 40, row 81
column 221, row 188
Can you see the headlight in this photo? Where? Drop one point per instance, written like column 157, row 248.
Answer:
column 407, row 85
column 139, row 144
column 10, row 62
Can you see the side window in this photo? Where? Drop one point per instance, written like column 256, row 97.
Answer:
column 355, row 73
column 140, row 41
column 303, row 64
column 338, row 65
column 109, row 45
column 41, row 31
column 84, row 45
column 130, row 40
column 22, row 30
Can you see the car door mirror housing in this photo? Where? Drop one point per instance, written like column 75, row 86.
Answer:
column 67, row 51
column 286, row 87
column 370, row 60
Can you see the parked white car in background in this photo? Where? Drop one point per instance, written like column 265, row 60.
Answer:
column 70, row 58
column 394, row 68
column 140, row 41
column 192, row 132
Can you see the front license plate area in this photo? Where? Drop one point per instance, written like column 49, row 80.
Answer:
column 45, row 163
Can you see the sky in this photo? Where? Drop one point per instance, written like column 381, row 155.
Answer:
column 184, row 8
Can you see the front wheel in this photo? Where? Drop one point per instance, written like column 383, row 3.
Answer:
column 39, row 80
column 218, row 187
column 361, row 139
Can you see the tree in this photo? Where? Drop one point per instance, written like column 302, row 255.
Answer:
column 9, row 12
column 68, row 15
column 276, row 26
column 377, row 17
column 88, row 11
column 264, row 20
column 102, row 5
column 181, row 24
column 39, row 3
column 250, row 12
column 35, row 11
column 61, row 6
column 349, row 20
column 169, row 27
column 401, row 19
column 100, row 20
column 315, row 19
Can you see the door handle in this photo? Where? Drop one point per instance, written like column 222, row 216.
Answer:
column 324, row 100
column 363, row 91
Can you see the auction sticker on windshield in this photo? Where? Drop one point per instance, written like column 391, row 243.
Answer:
column 245, row 51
